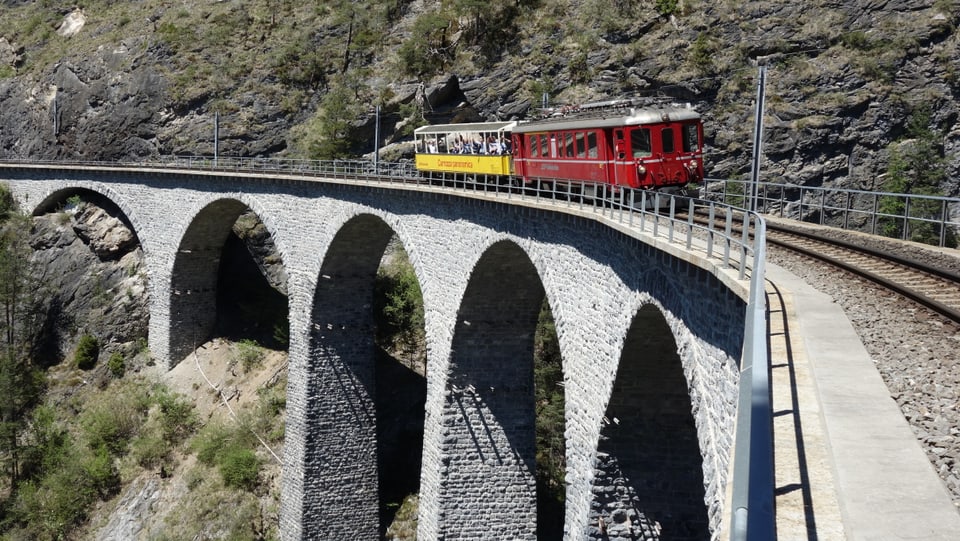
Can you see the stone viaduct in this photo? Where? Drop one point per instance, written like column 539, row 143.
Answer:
column 650, row 342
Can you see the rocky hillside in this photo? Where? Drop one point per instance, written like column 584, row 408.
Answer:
column 125, row 80
column 92, row 272
column 123, row 448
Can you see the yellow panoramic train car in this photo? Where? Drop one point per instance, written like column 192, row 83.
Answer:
column 481, row 148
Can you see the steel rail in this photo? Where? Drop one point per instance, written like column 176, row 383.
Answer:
column 897, row 287
column 900, row 260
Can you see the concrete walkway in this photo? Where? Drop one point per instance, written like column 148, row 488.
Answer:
column 848, row 466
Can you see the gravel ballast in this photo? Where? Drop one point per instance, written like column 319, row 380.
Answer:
column 916, row 351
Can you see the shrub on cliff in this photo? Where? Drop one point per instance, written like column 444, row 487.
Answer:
column 87, row 351
column 7, row 205
column 116, row 365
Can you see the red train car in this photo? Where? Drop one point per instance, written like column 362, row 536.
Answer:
column 654, row 148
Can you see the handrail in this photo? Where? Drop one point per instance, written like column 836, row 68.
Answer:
column 752, row 483
column 906, row 216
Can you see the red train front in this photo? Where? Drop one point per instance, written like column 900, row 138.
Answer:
column 652, row 148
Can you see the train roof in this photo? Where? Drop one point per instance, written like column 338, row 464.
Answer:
column 471, row 127
column 606, row 119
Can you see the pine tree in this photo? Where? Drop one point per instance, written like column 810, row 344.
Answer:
column 19, row 383
column 917, row 166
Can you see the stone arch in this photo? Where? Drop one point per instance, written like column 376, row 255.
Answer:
column 54, row 200
column 195, row 273
column 488, row 486
column 112, row 270
column 649, row 469
column 339, row 462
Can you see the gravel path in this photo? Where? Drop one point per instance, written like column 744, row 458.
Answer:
column 916, row 352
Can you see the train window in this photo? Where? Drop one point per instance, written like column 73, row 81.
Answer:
column 640, row 142
column 666, row 139
column 618, row 144
column 544, row 148
column 569, row 144
column 690, row 139
column 534, row 149
column 581, row 150
column 592, row 144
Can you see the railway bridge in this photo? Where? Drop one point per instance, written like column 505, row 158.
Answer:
column 650, row 337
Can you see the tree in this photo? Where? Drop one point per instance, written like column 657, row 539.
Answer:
column 20, row 383
column 328, row 135
column 549, row 397
column 426, row 51
column 917, row 166
column 8, row 205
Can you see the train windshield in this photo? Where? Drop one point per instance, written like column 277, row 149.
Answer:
column 640, row 142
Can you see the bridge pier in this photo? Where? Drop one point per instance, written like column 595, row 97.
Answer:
column 488, row 485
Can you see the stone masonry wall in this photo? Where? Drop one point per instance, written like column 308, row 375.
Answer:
column 595, row 278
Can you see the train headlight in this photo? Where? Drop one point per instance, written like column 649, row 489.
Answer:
column 641, row 170
column 692, row 167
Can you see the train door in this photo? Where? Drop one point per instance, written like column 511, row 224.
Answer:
column 667, row 151
column 519, row 163
column 623, row 166
column 632, row 165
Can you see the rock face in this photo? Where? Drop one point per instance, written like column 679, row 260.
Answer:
column 843, row 82
column 106, row 235
column 92, row 268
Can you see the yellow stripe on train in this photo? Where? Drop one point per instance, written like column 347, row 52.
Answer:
column 464, row 163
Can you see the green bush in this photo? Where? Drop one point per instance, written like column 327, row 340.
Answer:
column 87, row 351
column 177, row 417
column 667, row 7
column 917, row 166
column 113, row 421
column 856, row 40
column 8, row 205
column 249, row 353
column 49, row 506
column 211, row 443
column 117, row 365
column 101, row 473
column 240, row 468
column 149, row 450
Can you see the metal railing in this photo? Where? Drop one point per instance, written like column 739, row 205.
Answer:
column 922, row 218
column 752, row 516
column 727, row 233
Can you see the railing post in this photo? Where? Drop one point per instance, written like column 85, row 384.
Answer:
column 643, row 210
column 726, row 241
column 656, row 213
column 710, row 229
column 753, row 479
column 943, row 224
column 823, row 205
column 673, row 205
column 846, row 211
column 744, row 242
column 906, row 213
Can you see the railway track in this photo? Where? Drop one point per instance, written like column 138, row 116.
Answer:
column 934, row 288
